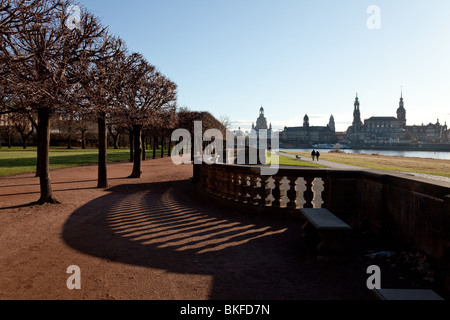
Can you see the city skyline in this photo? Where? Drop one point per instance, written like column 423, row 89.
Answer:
column 321, row 120
column 293, row 57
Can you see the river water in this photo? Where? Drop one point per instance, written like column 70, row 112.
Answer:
column 411, row 154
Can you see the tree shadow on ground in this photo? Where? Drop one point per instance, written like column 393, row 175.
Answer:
column 168, row 226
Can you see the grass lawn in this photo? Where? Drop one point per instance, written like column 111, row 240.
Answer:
column 376, row 161
column 286, row 161
column 17, row 161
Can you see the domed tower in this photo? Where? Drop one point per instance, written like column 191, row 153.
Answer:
column 306, row 122
column 401, row 111
column 332, row 124
column 261, row 123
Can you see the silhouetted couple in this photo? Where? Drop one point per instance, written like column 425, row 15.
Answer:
column 315, row 155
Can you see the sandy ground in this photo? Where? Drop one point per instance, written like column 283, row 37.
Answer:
column 155, row 239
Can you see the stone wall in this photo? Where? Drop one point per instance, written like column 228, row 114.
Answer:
column 399, row 208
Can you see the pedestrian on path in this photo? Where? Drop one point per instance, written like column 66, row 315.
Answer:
column 313, row 155
column 317, row 155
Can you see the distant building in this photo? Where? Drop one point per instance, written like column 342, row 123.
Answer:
column 239, row 133
column 308, row 135
column 391, row 130
column 5, row 120
column 261, row 123
column 430, row 133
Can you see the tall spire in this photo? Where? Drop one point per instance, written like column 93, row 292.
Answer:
column 357, row 123
column 402, row 104
column 401, row 111
column 357, row 102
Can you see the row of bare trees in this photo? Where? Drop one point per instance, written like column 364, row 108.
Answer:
column 47, row 68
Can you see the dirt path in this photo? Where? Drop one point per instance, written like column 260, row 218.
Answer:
column 154, row 239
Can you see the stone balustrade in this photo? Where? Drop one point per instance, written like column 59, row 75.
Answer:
column 245, row 185
column 403, row 209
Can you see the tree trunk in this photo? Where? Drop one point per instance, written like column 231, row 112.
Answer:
column 169, row 152
column 162, row 147
column 38, row 167
column 131, row 145
column 137, row 153
column 83, row 139
column 155, row 143
column 144, row 155
column 69, row 141
column 102, row 152
column 44, row 158
column 192, row 149
column 26, row 137
column 116, row 141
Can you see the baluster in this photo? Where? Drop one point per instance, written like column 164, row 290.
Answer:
column 231, row 194
column 244, row 189
column 262, row 191
column 241, row 188
column 309, row 193
column 248, row 189
column 254, row 189
column 276, row 192
column 268, row 192
column 292, row 193
column 319, row 187
column 325, row 193
column 236, row 187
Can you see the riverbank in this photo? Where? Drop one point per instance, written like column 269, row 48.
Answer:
column 382, row 162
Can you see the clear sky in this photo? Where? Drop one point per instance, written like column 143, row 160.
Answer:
column 293, row 57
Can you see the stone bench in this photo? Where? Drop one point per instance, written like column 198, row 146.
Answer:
column 330, row 229
column 406, row 295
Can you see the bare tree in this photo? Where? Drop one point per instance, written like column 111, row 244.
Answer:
column 7, row 132
column 116, row 129
column 187, row 119
column 23, row 126
column 225, row 121
column 38, row 55
column 102, row 86
column 85, row 123
column 149, row 95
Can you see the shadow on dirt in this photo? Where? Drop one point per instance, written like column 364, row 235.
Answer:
column 167, row 226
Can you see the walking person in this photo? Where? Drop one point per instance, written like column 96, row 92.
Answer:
column 313, row 155
column 317, row 155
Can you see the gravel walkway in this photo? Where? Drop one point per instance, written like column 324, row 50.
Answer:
column 156, row 239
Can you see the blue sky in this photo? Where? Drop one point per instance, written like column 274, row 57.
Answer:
column 293, row 57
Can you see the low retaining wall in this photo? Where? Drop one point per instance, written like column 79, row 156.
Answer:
column 404, row 209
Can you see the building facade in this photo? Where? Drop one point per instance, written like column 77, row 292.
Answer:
column 307, row 135
column 261, row 123
column 389, row 130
